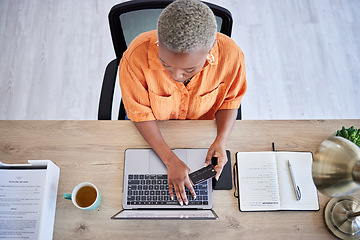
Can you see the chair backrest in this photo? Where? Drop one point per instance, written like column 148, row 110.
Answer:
column 127, row 20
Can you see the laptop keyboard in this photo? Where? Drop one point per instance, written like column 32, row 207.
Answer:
column 153, row 189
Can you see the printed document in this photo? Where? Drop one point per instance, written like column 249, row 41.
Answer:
column 21, row 195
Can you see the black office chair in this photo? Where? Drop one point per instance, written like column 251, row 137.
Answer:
column 127, row 20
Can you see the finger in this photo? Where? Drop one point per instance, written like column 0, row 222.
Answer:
column 190, row 187
column 178, row 195
column 183, row 195
column 191, row 182
column 171, row 192
column 209, row 155
column 218, row 170
column 219, row 167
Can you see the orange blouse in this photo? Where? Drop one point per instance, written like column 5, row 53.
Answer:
column 149, row 93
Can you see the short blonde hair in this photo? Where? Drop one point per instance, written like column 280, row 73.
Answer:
column 187, row 25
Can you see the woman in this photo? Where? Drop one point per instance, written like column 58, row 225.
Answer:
column 183, row 70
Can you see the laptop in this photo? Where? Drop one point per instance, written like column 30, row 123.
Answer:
column 146, row 193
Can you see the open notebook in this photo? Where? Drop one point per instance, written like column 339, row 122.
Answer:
column 265, row 182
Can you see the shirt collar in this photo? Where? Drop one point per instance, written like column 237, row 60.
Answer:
column 153, row 55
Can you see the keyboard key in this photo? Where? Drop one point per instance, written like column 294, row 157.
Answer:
column 134, row 182
column 203, row 192
column 161, row 177
column 202, row 186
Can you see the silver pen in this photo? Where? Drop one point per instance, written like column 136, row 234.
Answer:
column 296, row 187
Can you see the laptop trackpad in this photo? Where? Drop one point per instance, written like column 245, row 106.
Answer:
column 158, row 167
column 155, row 164
column 181, row 154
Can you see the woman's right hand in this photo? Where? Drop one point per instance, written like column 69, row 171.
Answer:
column 178, row 178
column 178, row 172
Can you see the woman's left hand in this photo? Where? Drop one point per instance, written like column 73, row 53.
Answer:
column 218, row 150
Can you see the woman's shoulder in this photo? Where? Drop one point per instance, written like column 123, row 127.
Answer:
column 228, row 50
column 140, row 43
column 227, row 44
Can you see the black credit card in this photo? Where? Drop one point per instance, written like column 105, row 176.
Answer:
column 202, row 174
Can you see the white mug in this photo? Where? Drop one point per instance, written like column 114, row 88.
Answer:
column 84, row 196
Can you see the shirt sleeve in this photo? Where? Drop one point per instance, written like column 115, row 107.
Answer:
column 237, row 87
column 134, row 93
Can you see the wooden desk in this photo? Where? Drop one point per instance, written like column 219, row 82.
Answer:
column 94, row 151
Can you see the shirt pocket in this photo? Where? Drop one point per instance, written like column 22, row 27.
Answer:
column 163, row 106
column 208, row 103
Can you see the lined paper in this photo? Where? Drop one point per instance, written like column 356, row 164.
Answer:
column 301, row 164
column 265, row 182
column 259, row 184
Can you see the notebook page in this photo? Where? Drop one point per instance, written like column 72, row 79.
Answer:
column 302, row 166
column 258, row 184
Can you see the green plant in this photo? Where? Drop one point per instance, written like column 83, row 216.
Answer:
column 351, row 133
